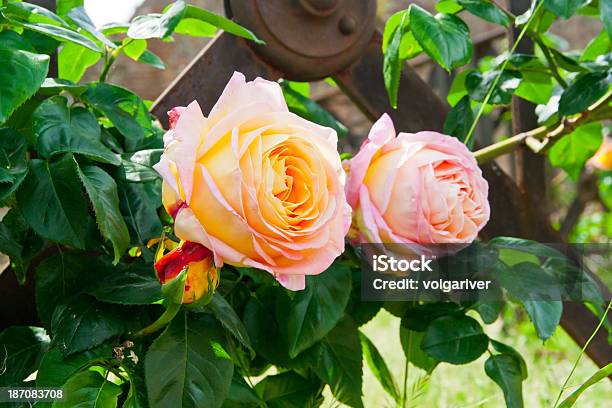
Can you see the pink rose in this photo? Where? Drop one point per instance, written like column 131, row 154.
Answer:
column 421, row 188
column 256, row 184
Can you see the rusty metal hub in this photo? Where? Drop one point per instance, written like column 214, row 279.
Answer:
column 308, row 39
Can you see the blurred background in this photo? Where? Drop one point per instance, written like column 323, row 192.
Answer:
column 450, row 386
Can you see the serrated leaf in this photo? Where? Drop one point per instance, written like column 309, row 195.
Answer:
column 393, row 63
column 313, row 312
column 89, row 389
column 84, row 323
column 132, row 284
column 21, row 349
column 455, row 339
column 124, row 109
column 411, row 344
column 157, row 25
column 13, row 161
column 55, row 368
column 60, row 129
column 63, row 217
column 337, row 361
column 139, row 207
column 287, row 390
column 446, row 38
column 564, row 8
column 478, row 85
column 505, row 370
column 584, row 92
column 225, row 24
column 102, row 192
column 225, row 314
column 505, row 349
column 545, row 316
column 459, row 120
column 186, row 365
column 486, row 10
column 74, row 60
column 23, row 71
column 379, row 368
column 572, row 151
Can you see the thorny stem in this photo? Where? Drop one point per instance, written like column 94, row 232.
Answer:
column 541, row 139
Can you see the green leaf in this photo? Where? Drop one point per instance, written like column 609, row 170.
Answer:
column 505, row 370
column 599, row 375
column 337, row 362
column 312, row 111
column 379, row 368
column 23, row 71
column 60, row 129
column 11, row 247
column 157, row 25
column 446, row 38
column 58, row 277
column 313, row 312
column 545, row 315
column 458, row 90
column 124, row 109
column 138, row 167
column 55, row 368
column 584, row 92
column 525, row 245
column 455, row 339
column 84, row 323
column 62, row 34
column 32, row 13
column 134, row 48
column 505, row 349
column 149, row 58
column 186, row 366
column 605, row 13
column 478, row 85
column 393, row 63
column 527, row 281
column 64, row 6
column 599, row 45
column 459, row 120
column 448, row 7
column 288, row 390
column 572, row 151
column 240, row 394
column 89, row 389
column 195, row 28
column 139, row 207
column 536, row 87
column 418, row 317
column 74, row 60
column 63, row 217
column 408, row 47
column 486, row 10
column 133, row 284
column 564, row 8
column 53, row 86
column 411, row 344
column 102, row 192
column 81, row 19
column 21, row 349
column 227, row 25
column 225, row 314
column 13, row 161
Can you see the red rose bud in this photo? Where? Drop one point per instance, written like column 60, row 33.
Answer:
column 202, row 276
column 174, row 114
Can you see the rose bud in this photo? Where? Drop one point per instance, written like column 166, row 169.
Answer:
column 202, row 276
column 256, row 184
column 421, row 188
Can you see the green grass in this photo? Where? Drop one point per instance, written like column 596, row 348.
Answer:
column 549, row 364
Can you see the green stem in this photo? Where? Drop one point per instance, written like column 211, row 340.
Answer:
column 111, row 60
column 541, row 139
column 601, row 322
column 160, row 323
column 501, row 71
column 551, row 61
